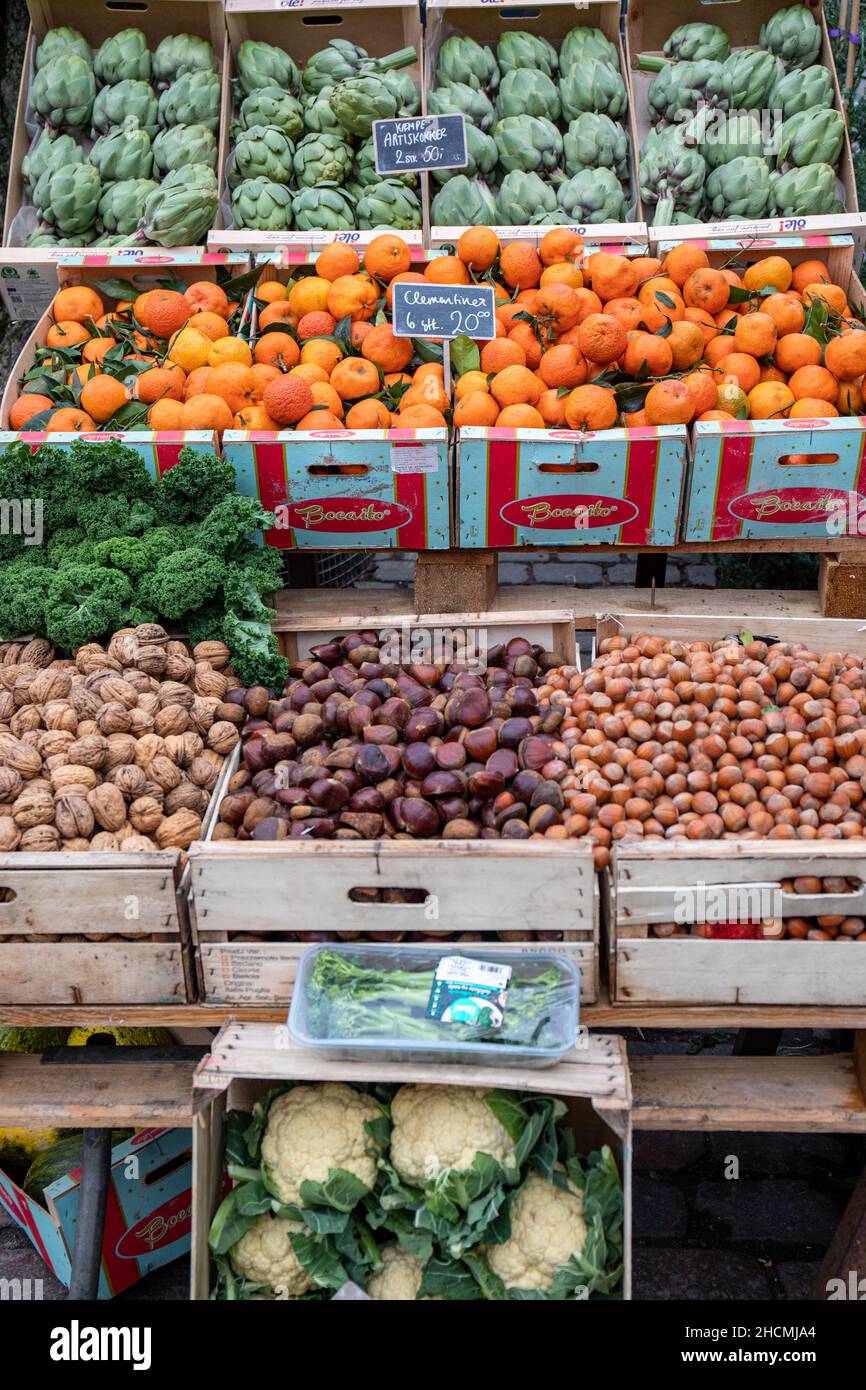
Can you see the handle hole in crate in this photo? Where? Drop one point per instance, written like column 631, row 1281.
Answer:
column 375, row 897
column 165, row 1170
column 322, row 19
column 808, row 460
column 128, row 5
column 7, row 895
column 576, row 466
column 519, row 12
column 338, row 470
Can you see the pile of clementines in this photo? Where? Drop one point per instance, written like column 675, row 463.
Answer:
column 585, row 342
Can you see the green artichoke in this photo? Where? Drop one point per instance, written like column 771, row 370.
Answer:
column 323, row 208
column 592, row 196
column 359, row 101
column 811, row 137
column 594, row 141
column 271, row 106
column 193, row 99
column 802, row 89
column 63, row 92
column 73, row 199
column 746, row 80
column 463, row 202
column 522, row 197
column 672, row 175
column 388, row 204
column 579, row 45
column 262, row 205
column 527, row 92
column 690, row 42
column 519, row 49
column 182, row 145
column 322, row 159
column 366, row 169
column 318, row 116
column 182, row 208
column 793, row 36
column 594, row 86
column 482, row 156
column 530, row 143
column 456, row 96
column 124, row 103
column 723, row 136
column 334, row 64
column 123, row 56
column 405, row 90
column 260, row 64
column 123, row 155
column 43, row 237
column 463, row 60
column 808, row 191
column 180, row 53
column 262, row 152
column 62, row 43
column 50, row 152
column 122, row 204
column 679, row 89
column 740, row 188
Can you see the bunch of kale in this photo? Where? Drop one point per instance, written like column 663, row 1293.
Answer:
column 117, row 549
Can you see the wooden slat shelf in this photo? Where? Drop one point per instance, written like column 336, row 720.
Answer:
column 34, row 1094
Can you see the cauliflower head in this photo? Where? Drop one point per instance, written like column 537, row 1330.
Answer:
column 264, row 1255
column 399, row 1279
column 439, row 1127
column 547, row 1228
column 312, row 1129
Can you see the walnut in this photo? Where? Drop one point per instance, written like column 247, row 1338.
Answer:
column 145, row 814
column 108, row 806
column 129, row 779
column 136, row 844
column 186, row 797
column 149, row 702
column 151, row 660
column 24, row 720
column 178, row 831
column 121, row 749
column 30, row 737
column 89, row 657
column 140, row 723
column 39, row 652
column 203, row 772
column 210, row 682
column 182, row 748
column 33, row 807
column 40, row 839
column 50, row 761
column 173, row 693
column 174, row 647
column 211, row 756
column 95, row 679
column 87, row 728
column 179, row 668
column 55, row 742
column 164, row 772
column 217, row 653
column 73, row 817
column 113, row 718
column 50, row 684
column 222, row 737
column 77, row 845
column 172, row 719
column 116, row 690
column 7, row 706
column 84, row 701
column 91, row 751
column 23, row 759
column 104, row 840
column 147, row 748
column 123, row 646
column 155, row 790
column 140, row 682
column 151, row 635
column 10, row 835
column 21, row 687
column 73, row 789
column 73, row 774
column 11, row 784
column 203, row 713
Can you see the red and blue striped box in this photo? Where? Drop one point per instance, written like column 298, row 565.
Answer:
column 348, row 489
column 561, row 488
column 777, row 479
column 160, row 451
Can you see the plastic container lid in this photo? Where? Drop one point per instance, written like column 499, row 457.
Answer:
column 356, row 1002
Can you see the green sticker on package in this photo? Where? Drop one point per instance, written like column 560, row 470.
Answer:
column 469, row 991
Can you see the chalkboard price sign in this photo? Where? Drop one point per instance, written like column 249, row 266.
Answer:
column 414, row 143
column 443, row 311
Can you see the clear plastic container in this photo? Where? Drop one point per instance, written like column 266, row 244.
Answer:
column 360, row 1002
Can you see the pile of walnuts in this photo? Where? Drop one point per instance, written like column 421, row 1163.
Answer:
column 118, row 749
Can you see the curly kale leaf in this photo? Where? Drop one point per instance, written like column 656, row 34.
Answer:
column 84, row 602
column 182, row 582
column 23, row 590
column 193, row 487
column 255, row 654
column 233, row 521
column 107, row 468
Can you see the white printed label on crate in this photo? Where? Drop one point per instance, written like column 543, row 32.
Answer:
column 414, row 458
column 469, row 991
column 28, row 291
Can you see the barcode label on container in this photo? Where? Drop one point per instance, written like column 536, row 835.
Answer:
column 469, row 991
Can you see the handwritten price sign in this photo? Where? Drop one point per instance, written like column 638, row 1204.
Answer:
column 443, row 311
column 413, row 143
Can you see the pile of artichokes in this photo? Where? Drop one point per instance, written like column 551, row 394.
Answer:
column 118, row 126
column 544, row 131
column 741, row 133
column 302, row 143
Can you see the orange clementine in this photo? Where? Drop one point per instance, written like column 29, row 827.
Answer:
column 706, row 289
column 421, row 417
column 612, row 276
column 703, row 387
column 645, row 268
column 755, row 334
column 602, row 338
column 501, row 352
column 319, row 420
column 368, row 414
column 322, row 352
column 77, row 303
column 288, row 399
column 478, row 247
column 648, row 354
column 796, row 350
column 262, row 373
column 69, row 420
column 849, row 397
column 271, row 291
column 557, row 305
column 308, row 294
column 721, row 415
column 560, row 244
column 234, row 383
column 634, row 420
column 94, row 349
column 590, row 408
column 206, row 412
column 324, row 395
column 686, row 342
column 160, row 383
column 669, row 403
column 563, row 365
column 812, row 408
column 386, row 256
column 832, row 295
column 205, row 296
column 353, row 296
column 210, row 324
column 731, row 398
column 705, row 322
column 254, row 417
column 717, row 350
column 769, row 400
column 845, row 356
column 230, row 350
column 524, row 335
column 562, row 273
column 162, row 312
column 469, row 382
column 742, row 367
column 165, row 415
column 628, row 311
column 318, row 323
column 413, row 277
column 683, row 260
column 66, row 333
column 520, row 417
column 337, row 259
column 26, row 407
column 385, row 350
column 810, row 273
column 280, row 312
column 516, row 385
column 520, row 265
column 446, row 270
column 773, row 271
column 816, row 382
column 427, row 391
column 190, row 349
column 277, row 350
column 429, row 369
column 354, row 377
column 102, row 397
column 551, row 407
column 770, row 372
column 478, row 408
column 660, row 306
column 786, row 312
column 195, row 382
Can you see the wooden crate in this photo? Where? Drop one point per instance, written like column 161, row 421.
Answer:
column 246, row 1060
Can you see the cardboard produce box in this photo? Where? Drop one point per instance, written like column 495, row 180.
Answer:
column 552, row 20
column 22, row 268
